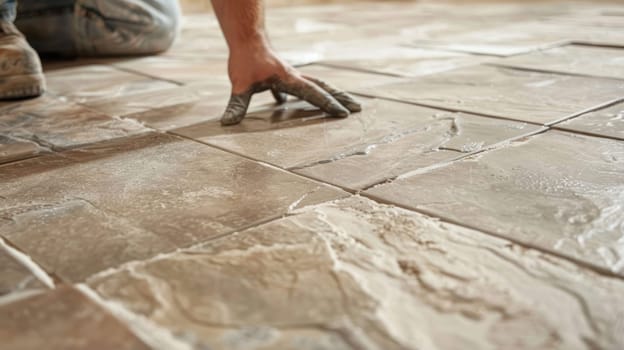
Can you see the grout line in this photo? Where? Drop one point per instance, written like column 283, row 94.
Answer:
column 586, row 133
column 581, row 263
column 277, row 167
column 136, row 72
column 585, row 111
column 537, row 70
column 590, row 44
column 153, row 335
column 360, row 70
column 28, row 263
column 446, row 109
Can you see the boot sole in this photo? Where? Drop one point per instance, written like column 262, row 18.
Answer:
column 22, row 86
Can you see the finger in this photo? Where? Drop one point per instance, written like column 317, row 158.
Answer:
column 236, row 109
column 344, row 98
column 279, row 97
column 313, row 94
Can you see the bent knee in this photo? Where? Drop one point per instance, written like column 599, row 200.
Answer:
column 123, row 27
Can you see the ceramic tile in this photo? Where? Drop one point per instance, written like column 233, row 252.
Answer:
column 138, row 197
column 604, row 122
column 59, row 125
column 573, row 59
column 62, row 319
column 401, row 61
column 178, row 69
column 346, row 79
column 354, row 274
column 507, row 93
column 14, row 276
column 99, row 82
column 557, row 191
column 385, row 140
column 499, row 40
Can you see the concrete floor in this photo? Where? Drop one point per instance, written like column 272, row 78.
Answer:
column 477, row 202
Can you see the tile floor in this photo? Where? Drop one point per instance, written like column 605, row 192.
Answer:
column 477, row 202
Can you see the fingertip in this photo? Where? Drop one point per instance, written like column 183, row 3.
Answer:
column 339, row 112
column 231, row 119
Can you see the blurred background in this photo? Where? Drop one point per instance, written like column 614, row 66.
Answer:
column 204, row 5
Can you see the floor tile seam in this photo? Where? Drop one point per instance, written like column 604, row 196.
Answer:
column 143, row 74
column 589, row 43
column 29, row 263
column 490, row 148
column 594, row 108
column 326, row 64
column 513, row 66
column 587, row 133
column 263, row 163
column 603, row 271
column 444, row 109
column 147, row 331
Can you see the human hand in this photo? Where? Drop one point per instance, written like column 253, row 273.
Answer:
column 259, row 69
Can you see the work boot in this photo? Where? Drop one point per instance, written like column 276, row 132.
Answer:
column 20, row 68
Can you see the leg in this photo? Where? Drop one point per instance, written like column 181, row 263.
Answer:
column 99, row 27
column 125, row 27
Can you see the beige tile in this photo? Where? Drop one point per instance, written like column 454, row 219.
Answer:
column 358, row 275
column 605, row 28
column 507, row 93
column 558, row 191
column 573, row 59
column 76, row 239
column 385, row 140
column 62, row 319
column 58, row 125
column 101, row 206
column 604, row 122
column 14, row 276
column 379, row 57
column 346, row 79
column 181, row 70
column 12, row 149
column 98, row 82
column 499, row 40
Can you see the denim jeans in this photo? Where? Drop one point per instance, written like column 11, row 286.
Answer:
column 95, row 27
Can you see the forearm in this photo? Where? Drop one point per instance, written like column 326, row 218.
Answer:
column 242, row 23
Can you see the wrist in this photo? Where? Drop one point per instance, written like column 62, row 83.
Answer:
column 258, row 43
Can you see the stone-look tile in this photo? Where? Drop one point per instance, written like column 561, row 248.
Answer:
column 357, row 275
column 15, row 277
column 384, row 140
column 604, row 122
column 76, row 239
column 12, row 149
column 574, row 59
column 179, row 69
column 62, row 319
column 499, row 40
column 97, row 82
column 379, row 57
column 503, row 92
column 59, row 125
column 557, row 191
column 607, row 29
column 123, row 105
column 133, row 198
column 347, row 79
